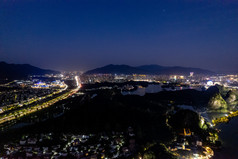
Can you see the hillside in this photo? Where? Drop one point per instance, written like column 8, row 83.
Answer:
column 147, row 69
column 20, row 71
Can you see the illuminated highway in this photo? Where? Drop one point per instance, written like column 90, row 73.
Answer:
column 15, row 114
column 30, row 101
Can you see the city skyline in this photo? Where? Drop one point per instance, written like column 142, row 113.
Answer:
column 142, row 79
column 82, row 35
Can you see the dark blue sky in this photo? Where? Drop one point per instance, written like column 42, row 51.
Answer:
column 83, row 34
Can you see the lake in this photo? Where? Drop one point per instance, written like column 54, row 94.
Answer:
column 141, row 91
column 229, row 139
column 154, row 88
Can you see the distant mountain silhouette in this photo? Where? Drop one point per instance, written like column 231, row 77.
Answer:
column 20, row 71
column 147, row 69
column 118, row 69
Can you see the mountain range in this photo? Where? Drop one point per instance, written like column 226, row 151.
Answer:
column 147, row 69
column 20, row 71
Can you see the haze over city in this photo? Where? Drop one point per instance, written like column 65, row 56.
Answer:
column 84, row 34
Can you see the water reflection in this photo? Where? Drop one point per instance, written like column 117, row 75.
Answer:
column 155, row 88
column 152, row 88
column 229, row 138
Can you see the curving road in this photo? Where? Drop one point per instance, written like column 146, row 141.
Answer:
column 16, row 114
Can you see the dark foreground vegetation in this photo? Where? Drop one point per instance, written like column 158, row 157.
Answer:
column 155, row 119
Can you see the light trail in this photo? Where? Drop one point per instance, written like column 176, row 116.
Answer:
column 78, row 83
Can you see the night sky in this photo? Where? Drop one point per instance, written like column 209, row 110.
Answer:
column 84, row 34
